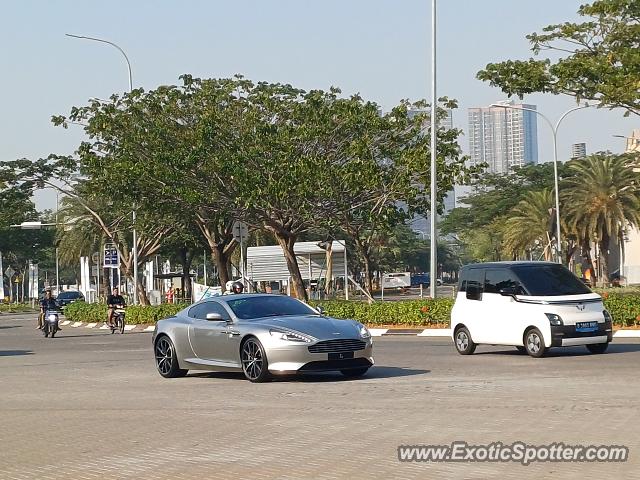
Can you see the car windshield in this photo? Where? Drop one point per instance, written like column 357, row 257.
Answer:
column 68, row 295
column 549, row 281
column 268, row 306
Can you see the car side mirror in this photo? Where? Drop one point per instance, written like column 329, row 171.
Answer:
column 473, row 292
column 320, row 310
column 215, row 317
column 508, row 291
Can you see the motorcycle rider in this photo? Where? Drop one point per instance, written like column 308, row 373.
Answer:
column 46, row 304
column 233, row 287
column 114, row 301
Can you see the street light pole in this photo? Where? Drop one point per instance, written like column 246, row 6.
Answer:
column 135, row 236
column 554, row 132
column 57, row 262
column 434, row 129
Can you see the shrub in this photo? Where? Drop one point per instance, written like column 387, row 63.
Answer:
column 136, row 314
column 17, row 308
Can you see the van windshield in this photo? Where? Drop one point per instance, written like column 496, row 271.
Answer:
column 549, row 281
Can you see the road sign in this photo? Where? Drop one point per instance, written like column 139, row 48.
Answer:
column 95, row 257
column 240, row 231
column 9, row 272
column 111, row 259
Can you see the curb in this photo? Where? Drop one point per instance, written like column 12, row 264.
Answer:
column 103, row 326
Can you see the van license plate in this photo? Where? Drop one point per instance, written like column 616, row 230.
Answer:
column 586, row 326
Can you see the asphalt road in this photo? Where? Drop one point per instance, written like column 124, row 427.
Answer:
column 90, row 405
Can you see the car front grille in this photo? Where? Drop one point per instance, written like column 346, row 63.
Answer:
column 338, row 346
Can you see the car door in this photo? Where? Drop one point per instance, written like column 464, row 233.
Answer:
column 503, row 322
column 210, row 338
column 473, row 312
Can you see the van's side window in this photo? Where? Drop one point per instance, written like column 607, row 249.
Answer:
column 497, row 279
column 474, row 281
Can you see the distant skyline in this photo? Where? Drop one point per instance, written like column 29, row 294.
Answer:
column 378, row 48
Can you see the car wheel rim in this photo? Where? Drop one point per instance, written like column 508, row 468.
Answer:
column 462, row 341
column 533, row 342
column 164, row 355
column 252, row 361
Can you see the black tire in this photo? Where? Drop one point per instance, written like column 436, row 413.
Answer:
column 45, row 330
column 121, row 324
column 597, row 347
column 534, row 343
column 464, row 343
column 53, row 332
column 521, row 349
column 355, row 372
column 255, row 365
column 166, row 358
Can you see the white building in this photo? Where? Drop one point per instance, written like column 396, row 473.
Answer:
column 503, row 138
column 631, row 258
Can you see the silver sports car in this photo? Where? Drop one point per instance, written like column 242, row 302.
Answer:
column 260, row 334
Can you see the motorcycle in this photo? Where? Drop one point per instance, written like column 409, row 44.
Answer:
column 50, row 323
column 118, row 320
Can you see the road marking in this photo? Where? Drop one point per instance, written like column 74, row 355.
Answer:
column 91, row 325
column 128, row 328
column 377, row 332
column 150, row 328
column 65, row 322
column 435, row 332
column 77, row 324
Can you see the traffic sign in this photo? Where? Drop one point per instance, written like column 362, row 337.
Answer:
column 111, row 259
column 240, row 231
column 9, row 272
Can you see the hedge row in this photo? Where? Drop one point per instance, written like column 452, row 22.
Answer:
column 16, row 308
column 136, row 314
column 624, row 308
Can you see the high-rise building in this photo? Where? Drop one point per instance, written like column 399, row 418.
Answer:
column 446, row 122
column 578, row 150
column 503, row 138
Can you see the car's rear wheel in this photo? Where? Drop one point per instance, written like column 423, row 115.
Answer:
column 464, row 344
column 534, row 343
column 598, row 347
column 254, row 361
column 354, row 372
column 167, row 359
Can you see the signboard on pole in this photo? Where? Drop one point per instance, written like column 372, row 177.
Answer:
column 111, row 259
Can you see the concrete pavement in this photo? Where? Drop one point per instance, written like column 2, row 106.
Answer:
column 89, row 404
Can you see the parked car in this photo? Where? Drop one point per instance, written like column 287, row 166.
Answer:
column 260, row 335
column 423, row 279
column 69, row 296
column 530, row 305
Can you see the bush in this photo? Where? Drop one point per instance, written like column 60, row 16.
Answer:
column 624, row 308
column 17, row 308
column 425, row 312
column 136, row 314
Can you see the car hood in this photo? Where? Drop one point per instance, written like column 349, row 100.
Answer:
column 322, row 328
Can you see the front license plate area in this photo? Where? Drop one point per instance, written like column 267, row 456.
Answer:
column 586, row 326
column 340, row 356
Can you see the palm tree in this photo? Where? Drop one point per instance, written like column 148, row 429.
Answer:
column 602, row 199
column 528, row 224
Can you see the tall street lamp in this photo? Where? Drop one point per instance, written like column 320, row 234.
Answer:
column 554, row 131
column 135, row 236
column 434, row 140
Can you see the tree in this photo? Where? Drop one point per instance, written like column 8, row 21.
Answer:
column 602, row 200
column 527, row 227
column 600, row 59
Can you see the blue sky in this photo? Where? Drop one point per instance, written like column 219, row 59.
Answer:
column 379, row 48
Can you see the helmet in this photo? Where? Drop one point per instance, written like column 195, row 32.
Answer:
column 237, row 287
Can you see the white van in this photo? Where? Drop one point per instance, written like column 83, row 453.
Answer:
column 530, row 305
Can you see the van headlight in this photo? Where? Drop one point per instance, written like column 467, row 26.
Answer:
column 607, row 316
column 290, row 336
column 554, row 319
column 364, row 332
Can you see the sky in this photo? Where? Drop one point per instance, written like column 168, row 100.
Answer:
column 378, row 48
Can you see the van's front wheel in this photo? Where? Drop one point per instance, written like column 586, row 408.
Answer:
column 464, row 344
column 534, row 343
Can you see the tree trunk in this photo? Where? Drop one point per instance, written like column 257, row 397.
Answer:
column 604, row 259
column 287, row 243
column 186, row 261
column 365, row 255
column 329, row 275
column 222, row 262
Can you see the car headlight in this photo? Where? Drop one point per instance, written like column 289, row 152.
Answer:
column 607, row 316
column 290, row 336
column 554, row 319
column 364, row 332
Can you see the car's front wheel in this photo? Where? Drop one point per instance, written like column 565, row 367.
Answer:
column 354, row 372
column 167, row 359
column 534, row 343
column 464, row 343
column 254, row 361
column 598, row 347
